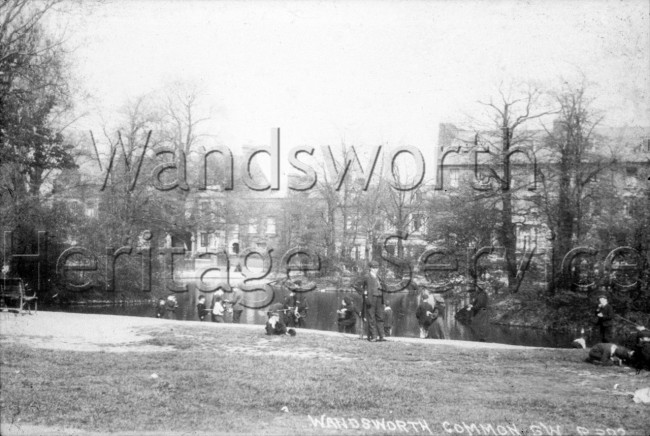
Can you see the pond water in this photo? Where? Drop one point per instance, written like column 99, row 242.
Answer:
column 321, row 315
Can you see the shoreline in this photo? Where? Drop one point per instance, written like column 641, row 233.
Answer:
column 95, row 332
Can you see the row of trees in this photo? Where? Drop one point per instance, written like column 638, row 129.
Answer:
column 591, row 191
column 575, row 197
column 43, row 160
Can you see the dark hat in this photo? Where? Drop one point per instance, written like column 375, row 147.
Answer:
column 292, row 332
column 373, row 264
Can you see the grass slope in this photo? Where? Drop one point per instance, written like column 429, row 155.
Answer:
column 237, row 381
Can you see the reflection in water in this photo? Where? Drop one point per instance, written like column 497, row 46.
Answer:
column 321, row 315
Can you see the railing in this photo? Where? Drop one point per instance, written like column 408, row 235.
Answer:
column 13, row 296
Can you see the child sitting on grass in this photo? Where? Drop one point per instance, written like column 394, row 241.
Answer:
column 274, row 325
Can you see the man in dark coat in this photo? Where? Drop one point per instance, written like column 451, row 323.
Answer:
column 424, row 315
column 201, row 308
column 373, row 290
column 480, row 316
column 295, row 310
column 605, row 319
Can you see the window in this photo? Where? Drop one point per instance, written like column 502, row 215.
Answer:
column 522, row 237
column 270, row 226
column 626, row 209
column 595, row 207
column 76, row 207
column 91, row 209
column 252, row 227
column 417, row 222
column 633, row 207
column 204, row 206
column 454, row 178
column 204, row 239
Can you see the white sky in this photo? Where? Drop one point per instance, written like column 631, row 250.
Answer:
column 362, row 72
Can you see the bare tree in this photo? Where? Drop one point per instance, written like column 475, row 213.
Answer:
column 508, row 136
column 579, row 156
column 182, row 114
column 402, row 205
column 342, row 188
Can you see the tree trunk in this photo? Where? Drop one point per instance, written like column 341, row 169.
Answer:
column 507, row 230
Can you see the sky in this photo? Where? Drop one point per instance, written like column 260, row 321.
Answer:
column 359, row 72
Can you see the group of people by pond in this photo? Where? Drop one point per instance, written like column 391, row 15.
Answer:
column 372, row 318
column 375, row 314
column 292, row 312
column 222, row 309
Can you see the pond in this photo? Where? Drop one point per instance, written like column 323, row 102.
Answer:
column 321, row 315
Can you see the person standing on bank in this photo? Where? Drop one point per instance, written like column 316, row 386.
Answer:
column 201, row 308
column 218, row 309
column 424, row 314
column 373, row 290
column 170, row 307
column 388, row 320
column 236, row 299
column 605, row 319
column 480, row 316
column 160, row 308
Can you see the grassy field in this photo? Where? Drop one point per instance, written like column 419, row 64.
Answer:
column 238, row 381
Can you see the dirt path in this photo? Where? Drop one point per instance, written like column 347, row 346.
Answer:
column 112, row 333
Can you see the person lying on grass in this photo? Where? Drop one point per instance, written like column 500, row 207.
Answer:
column 607, row 354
